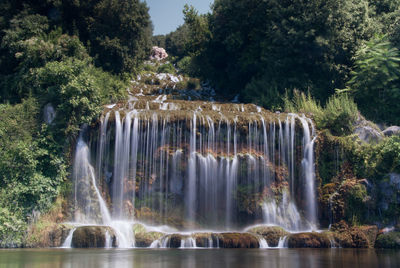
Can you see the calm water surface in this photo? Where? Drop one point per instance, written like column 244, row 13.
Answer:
column 146, row 258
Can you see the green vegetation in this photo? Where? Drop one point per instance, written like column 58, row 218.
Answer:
column 339, row 114
column 72, row 56
column 263, row 50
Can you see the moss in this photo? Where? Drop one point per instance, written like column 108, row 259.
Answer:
column 144, row 238
column 238, row 240
column 309, row 240
column 48, row 230
column 390, row 240
column 92, row 237
column 272, row 234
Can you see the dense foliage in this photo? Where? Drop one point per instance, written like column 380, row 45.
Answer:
column 263, row 50
column 69, row 57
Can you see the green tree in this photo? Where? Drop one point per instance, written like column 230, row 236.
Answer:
column 118, row 33
column 375, row 81
column 261, row 47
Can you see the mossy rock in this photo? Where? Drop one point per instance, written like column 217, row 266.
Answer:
column 48, row 235
column 174, row 240
column 238, row 240
column 92, row 237
column 271, row 234
column 144, row 238
column 203, row 240
column 390, row 240
column 354, row 237
column 309, row 240
column 371, row 232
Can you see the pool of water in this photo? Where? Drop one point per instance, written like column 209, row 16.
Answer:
column 149, row 258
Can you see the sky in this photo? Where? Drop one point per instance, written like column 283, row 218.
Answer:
column 167, row 14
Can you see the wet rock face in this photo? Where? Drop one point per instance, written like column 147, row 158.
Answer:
column 93, row 237
column 271, row 234
column 309, row 240
column 238, row 240
column 390, row 240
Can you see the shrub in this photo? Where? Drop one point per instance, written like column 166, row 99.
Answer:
column 166, row 68
column 339, row 115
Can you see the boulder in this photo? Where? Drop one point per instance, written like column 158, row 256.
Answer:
column 390, row 240
column 393, row 130
column 205, row 240
column 93, row 237
column 309, row 240
column 237, row 240
column 144, row 238
column 158, row 53
column 271, row 234
column 368, row 134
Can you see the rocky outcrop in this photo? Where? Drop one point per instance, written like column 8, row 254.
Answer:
column 390, row 240
column 391, row 131
column 353, row 237
column 271, row 234
column 367, row 131
column 309, row 240
column 48, row 235
column 93, row 237
column 238, row 240
column 144, row 238
column 158, row 53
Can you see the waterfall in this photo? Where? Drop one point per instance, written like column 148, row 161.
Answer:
column 200, row 166
column 68, row 240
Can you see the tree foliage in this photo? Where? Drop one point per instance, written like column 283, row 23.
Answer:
column 375, row 81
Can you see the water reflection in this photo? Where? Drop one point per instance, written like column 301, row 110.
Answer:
column 165, row 258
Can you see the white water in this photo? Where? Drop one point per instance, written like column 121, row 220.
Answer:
column 282, row 242
column 263, row 243
column 68, row 241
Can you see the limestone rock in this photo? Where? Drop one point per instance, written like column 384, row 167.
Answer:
column 92, row 237
column 158, row 53
column 368, row 134
column 309, row 240
column 238, row 240
column 144, row 238
column 271, row 234
column 393, row 130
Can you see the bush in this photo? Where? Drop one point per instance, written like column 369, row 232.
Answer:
column 375, row 81
column 32, row 169
column 166, row 68
column 339, row 115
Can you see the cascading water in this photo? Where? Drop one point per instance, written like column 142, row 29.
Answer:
column 196, row 166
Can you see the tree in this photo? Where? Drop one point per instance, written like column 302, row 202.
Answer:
column 260, row 47
column 118, row 33
column 375, row 81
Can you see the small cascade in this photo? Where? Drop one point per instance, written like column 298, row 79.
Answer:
column 108, row 243
column 284, row 214
column 188, row 242
column 263, row 243
column 282, row 242
column 68, row 240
